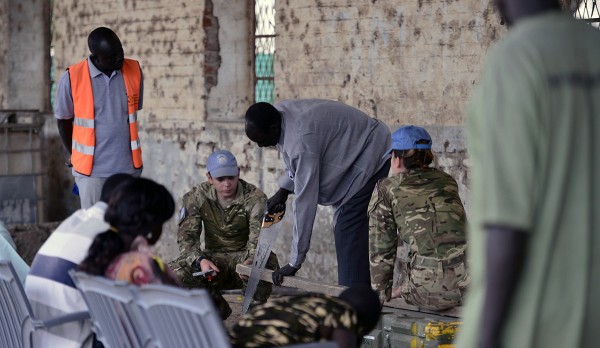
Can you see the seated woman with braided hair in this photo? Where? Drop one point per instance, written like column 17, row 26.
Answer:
column 135, row 214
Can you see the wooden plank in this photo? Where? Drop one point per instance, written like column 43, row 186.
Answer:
column 295, row 282
column 401, row 304
column 334, row 290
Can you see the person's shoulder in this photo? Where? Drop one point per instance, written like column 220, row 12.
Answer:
column 441, row 176
column 527, row 39
column 391, row 181
column 197, row 194
column 251, row 191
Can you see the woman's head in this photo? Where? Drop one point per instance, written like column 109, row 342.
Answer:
column 136, row 208
column 411, row 149
column 139, row 208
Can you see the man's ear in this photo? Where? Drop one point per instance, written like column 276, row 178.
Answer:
column 396, row 162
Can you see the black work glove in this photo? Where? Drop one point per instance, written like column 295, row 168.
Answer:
column 276, row 203
column 284, row 271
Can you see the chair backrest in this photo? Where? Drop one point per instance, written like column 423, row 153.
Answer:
column 182, row 318
column 16, row 318
column 113, row 311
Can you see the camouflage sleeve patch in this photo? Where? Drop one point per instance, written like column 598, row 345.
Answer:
column 190, row 226
column 181, row 214
column 383, row 242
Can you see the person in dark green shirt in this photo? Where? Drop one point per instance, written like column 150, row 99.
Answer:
column 309, row 318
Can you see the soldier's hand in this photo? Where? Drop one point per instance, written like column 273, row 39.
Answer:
column 396, row 293
column 276, row 203
column 207, row 265
column 247, row 262
column 285, row 271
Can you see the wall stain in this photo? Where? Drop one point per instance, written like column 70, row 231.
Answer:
column 401, row 20
column 212, row 57
column 417, row 33
column 471, row 24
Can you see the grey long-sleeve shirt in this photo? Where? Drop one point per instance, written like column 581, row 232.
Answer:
column 330, row 151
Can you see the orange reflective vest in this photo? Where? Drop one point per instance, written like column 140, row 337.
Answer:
column 84, row 137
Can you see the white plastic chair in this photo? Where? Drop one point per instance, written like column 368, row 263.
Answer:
column 182, row 318
column 17, row 321
column 155, row 315
column 116, row 318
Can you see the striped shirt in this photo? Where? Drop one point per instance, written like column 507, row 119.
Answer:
column 49, row 286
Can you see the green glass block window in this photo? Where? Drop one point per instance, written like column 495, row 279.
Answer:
column 264, row 51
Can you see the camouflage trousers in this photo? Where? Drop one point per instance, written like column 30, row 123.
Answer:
column 226, row 279
column 435, row 284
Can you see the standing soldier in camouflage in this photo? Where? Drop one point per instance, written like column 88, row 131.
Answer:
column 231, row 211
column 418, row 207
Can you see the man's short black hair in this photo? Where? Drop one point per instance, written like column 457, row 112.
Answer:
column 98, row 35
column 366, row 303
column 262, row 115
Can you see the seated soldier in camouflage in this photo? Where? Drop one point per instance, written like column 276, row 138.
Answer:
column 310, row 317
column 231, row 211
column 417, row 226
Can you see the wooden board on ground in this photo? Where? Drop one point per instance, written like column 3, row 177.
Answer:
column 334, row 290
column 295, row 282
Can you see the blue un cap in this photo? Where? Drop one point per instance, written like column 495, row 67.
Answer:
column 406, row 138
column 222, row 163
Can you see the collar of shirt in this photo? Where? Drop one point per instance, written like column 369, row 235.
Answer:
column 95, row 72
column 281, row 141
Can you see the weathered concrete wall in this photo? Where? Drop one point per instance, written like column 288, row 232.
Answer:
column 24, row 55
column 4, row 44
column 405, row 62
column 400, row 61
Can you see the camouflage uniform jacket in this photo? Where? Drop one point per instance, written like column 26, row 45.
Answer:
column 292, row 319
column 423, row 208
column 234, row 228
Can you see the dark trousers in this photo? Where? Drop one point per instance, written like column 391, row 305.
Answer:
column 351, row 231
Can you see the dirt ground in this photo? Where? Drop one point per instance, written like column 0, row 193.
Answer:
column 29, row 238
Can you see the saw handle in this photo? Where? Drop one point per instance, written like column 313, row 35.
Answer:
column 273, row 218
column 276, row 203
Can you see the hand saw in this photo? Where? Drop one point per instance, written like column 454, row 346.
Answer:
column 268, row 235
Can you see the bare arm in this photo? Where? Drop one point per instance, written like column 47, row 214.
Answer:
column 65, row 129
column 505, row 255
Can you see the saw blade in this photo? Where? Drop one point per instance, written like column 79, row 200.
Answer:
column 266, row 239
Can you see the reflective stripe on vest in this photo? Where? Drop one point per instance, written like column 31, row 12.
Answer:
column 133, row 77
column 84, row 137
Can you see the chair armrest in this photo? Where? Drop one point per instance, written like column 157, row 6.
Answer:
column 67, row 318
